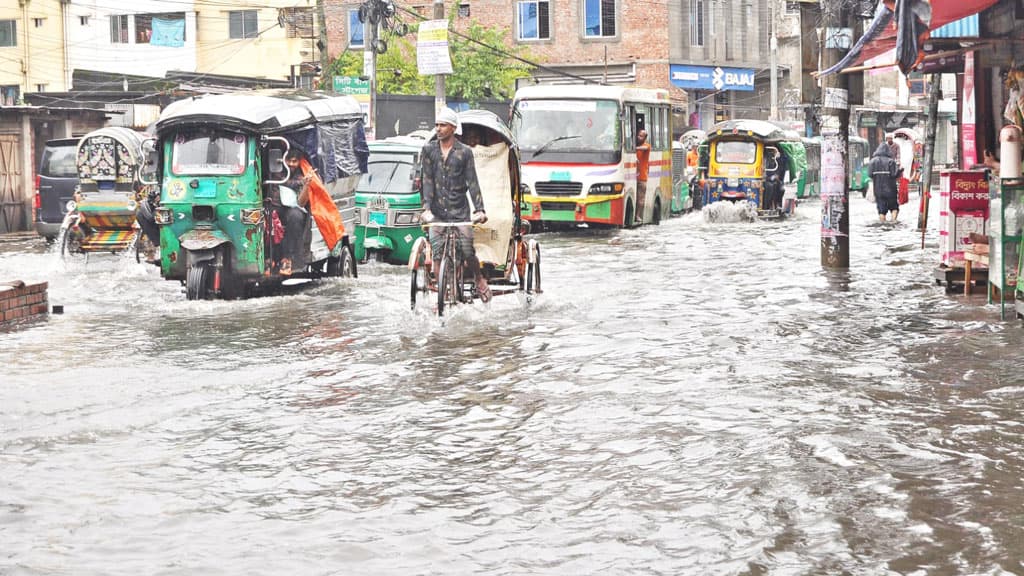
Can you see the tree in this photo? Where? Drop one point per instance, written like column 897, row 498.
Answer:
column 483, row 65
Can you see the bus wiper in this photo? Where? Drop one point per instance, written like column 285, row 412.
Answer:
column 552, row 141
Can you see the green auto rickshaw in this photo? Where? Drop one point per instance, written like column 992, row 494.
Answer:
column 220, row 160
column 388, row 202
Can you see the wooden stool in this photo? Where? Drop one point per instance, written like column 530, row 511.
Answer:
column 969, row 259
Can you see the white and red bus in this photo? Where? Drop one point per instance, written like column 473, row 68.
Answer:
column 578, row 152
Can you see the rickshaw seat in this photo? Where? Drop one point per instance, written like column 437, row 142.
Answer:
column 491, row 239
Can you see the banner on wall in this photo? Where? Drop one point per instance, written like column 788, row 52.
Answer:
column 968, row 138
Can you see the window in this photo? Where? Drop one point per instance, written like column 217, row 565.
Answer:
column 598, row 18
column 792, row 7
column 119, row 29
column 83, row 20
column 298, row 22
column 696, row 22
column 463, row 10
column 8, row 33
column 38, row 22
column 160, row 29
column 242, row 24
column 40, row 87
column 534, row 20
column 355, row 30
column 9, row 95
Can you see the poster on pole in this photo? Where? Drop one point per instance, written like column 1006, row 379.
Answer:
column 432, row 48
column 833, row 185
column 968, row 135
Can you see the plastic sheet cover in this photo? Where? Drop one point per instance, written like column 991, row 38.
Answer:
column 336, row 149
column 797, row 157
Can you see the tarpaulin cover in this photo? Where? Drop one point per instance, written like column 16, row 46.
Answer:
column 335, row 149
column 797, row 156
column 881, row 34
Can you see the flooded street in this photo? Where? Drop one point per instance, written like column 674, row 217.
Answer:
column 691, row 398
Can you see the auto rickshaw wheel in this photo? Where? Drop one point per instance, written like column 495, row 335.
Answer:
column 197, row 282
column 342, row 266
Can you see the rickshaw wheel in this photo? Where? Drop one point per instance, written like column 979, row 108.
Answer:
column 533, row 273
column 446, row 285
column 197, row 282
column 71, row 246
column 414, row 287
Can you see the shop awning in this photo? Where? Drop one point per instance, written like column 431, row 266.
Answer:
column 909, row 25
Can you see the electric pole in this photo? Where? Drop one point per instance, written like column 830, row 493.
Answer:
column 439, row 99
column 370, row 65
column 835, row 132
column 773, row 47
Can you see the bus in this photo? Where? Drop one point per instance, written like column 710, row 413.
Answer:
column 578, row 147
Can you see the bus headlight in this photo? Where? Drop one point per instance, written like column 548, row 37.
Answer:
column 606, row 188
column 252, row 216
column 407, row 218
column 163, row 216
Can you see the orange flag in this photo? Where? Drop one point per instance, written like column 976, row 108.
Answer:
column 322, row 207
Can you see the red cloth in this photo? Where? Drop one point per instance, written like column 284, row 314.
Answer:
column 276, row 228
column 322, row 207
column 903, row 194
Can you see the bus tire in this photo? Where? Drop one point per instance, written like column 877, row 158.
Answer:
column 627, row 218
column 656, row 216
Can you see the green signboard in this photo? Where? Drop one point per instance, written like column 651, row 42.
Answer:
column 351, row 85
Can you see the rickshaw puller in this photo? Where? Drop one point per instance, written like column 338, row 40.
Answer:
column 449, row 183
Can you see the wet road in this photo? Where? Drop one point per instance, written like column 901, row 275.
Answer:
column 694, row 398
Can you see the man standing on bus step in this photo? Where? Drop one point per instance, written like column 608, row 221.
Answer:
column 449, row 184
column 643, row 162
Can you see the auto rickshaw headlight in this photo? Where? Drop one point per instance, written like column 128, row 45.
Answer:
column 163, row 216
column 71, row 205
column 252, row 216
column 132, row 205
column 407, row 218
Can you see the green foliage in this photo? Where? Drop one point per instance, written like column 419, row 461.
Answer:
column 479, row 72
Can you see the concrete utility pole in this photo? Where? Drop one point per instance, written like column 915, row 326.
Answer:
column 773, row 48
column 929, row 152
column 439, row 99
column 371, row 30
column 835, row 131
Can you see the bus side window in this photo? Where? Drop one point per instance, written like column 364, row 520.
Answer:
column 629, row 138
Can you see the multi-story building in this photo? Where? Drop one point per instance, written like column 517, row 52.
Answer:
column 713, row 55
column 32, row 50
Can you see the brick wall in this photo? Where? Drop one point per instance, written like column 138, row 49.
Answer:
column 20, row 301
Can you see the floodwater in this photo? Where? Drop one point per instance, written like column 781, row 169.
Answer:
column 692, row 398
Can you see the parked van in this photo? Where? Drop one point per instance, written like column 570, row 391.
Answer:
column 56, row 180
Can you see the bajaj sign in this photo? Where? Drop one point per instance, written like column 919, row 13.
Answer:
column 712, row 77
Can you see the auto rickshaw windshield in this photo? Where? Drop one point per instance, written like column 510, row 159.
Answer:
column 736, row 152
column 208, row 152
column 389, row 173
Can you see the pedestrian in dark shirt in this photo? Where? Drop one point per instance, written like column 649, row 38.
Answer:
column 449, row 184
column 884, row 174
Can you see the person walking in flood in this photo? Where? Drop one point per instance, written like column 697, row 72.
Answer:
column 884, row 175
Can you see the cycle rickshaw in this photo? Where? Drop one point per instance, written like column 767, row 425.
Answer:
column 102, row 217
column 508, row 261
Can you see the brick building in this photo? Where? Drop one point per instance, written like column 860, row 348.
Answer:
column 712, row 55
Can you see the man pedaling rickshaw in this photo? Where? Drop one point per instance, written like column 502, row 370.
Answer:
column 449, row 185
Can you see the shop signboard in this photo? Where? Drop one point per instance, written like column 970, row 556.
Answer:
column 711, row 78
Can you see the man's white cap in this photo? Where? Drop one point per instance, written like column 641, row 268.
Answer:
column 448, row 116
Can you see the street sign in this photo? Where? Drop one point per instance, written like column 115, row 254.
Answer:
column 351, row 85
column 432, row 55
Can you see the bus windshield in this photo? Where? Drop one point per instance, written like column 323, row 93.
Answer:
column 208, row 152
column 567, row 126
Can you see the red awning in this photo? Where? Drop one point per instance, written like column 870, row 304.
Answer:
column 943, row 12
